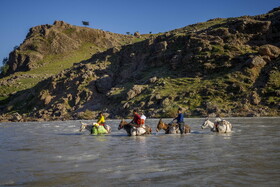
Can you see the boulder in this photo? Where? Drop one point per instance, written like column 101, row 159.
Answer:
column 256, row 61
column 136, row 90
column 269, row 50
column 104, row 84
column 16, row 117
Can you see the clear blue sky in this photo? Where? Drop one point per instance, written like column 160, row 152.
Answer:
column 119, row 16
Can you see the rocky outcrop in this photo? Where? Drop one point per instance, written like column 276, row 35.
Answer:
column 57, row 39
column 269, row 50
column 134, row 91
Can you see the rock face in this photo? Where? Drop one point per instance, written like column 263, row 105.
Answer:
column 136, row 90
column 226, row 67
column 270, row 51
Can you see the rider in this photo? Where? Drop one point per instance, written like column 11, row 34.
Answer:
column 180, row 120
column 101, row 121
column 136, row 119
column 217, row 122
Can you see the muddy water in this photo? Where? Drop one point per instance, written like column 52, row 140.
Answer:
column 56, row 154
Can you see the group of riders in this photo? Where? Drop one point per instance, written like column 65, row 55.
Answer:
column 139, row 121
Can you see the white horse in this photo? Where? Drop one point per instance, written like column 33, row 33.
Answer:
column 90, row 126
column 222, row 126
column 132, row 130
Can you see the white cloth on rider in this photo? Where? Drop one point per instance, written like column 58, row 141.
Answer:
column 143, row 118
column 218, row 120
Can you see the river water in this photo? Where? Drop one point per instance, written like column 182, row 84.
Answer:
column 57, row 154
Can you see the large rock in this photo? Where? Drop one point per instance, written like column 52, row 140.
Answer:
column 250, row 26
column 16, row 117
column 104, row 84
column 136, row 90
column 269, row 50
column 256, row 61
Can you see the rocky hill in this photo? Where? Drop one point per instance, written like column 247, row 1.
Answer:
column 226, row 67
column 57, row 40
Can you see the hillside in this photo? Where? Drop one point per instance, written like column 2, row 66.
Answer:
column 49, row 49
column 226, row 67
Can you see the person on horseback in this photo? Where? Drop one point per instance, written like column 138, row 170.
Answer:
column 217, row 122
column 136, row 119
column 101, row 121
column 180, row 120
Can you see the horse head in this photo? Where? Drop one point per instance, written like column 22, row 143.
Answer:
column 122, row 124
column 159, row 125
column 83, row 126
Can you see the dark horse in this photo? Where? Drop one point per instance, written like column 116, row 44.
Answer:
column 132, row 130
column 172, row 128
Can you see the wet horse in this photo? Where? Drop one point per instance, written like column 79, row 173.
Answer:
column 171, row 128
column 90, row 127
column 133, row 130
column 223, row 126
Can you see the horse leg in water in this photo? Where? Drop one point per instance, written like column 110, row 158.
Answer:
column 187, row 129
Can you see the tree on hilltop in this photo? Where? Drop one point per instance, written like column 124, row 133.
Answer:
column 85, row 23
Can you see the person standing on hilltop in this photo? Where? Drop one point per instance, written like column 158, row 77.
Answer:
column 180, row 120
column 136, row 119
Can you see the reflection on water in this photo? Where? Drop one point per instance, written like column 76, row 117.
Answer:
column 56, row 154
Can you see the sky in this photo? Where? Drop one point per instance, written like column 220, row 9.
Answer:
column 118, row 16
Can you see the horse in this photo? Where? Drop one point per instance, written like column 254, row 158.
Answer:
column 133, row 130
column 172, row 128
column 223, row 126
column 90, row 127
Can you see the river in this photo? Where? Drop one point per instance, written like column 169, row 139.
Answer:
column 57, row 154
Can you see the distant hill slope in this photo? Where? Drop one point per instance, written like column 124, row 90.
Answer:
column 45, row 43
column 49, row 49
column 226, row 67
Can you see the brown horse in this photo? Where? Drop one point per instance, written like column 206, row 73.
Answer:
column 171, row 128
column 133, row 130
